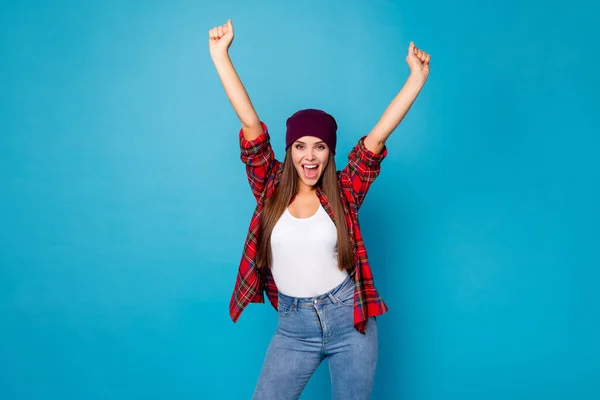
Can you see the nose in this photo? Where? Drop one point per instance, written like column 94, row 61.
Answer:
column 310, row 154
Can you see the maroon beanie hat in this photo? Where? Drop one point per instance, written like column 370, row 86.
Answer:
column 311, row 122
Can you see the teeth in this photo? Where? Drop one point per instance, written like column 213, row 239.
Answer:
column 310, row 166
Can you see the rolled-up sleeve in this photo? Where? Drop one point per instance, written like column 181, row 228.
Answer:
column 258, row 156
column 363, row 168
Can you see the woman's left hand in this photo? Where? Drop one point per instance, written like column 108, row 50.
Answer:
column 418, row 61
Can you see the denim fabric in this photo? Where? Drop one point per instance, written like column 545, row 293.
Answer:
column 310, row 330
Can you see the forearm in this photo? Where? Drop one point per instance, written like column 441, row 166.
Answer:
column 395, row 113
column 237, row 95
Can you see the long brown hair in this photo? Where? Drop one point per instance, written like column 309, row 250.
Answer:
column 276, row 204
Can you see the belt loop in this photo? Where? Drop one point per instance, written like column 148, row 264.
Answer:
column 333, row 299
column 295, row 303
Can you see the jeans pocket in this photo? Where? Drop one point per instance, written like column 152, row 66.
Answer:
column 284, row 310
column 347, row 298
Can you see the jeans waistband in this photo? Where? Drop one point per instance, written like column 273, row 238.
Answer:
column 339, row 293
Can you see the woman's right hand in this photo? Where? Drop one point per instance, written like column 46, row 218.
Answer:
column 220, row 38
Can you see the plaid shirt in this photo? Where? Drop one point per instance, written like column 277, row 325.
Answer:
column 264, row 173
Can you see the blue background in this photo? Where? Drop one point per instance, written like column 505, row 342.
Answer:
column 124, row 204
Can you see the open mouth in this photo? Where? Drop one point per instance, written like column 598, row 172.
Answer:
column 311, row 171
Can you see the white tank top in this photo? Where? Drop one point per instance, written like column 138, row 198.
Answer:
column 304, row 252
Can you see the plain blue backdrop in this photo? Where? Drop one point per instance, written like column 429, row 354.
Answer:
column 124, row 205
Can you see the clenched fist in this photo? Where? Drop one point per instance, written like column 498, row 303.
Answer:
column 220, row 38
column 418, row 60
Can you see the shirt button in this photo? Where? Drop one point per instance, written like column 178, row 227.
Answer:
column 315, row 301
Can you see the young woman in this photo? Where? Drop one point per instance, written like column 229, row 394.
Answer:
column 304, row 247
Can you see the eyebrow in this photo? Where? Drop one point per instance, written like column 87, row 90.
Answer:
column 319, row 142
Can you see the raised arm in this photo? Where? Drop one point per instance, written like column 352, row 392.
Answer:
column 220, row 39
column 418, row 61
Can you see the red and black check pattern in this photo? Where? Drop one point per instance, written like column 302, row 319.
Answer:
column 264, row 173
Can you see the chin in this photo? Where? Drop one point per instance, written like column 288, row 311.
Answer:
column 311, row 182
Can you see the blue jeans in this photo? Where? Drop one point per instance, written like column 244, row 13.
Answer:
column 310, row 330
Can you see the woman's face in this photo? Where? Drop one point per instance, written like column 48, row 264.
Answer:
column 310, row 156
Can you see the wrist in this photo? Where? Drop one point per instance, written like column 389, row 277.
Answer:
column 417, row 77
column 219, row 55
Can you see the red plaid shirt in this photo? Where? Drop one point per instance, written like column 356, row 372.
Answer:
column 264, row 173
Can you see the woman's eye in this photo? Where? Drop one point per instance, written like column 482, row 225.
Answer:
column 299, row 146
column 321, row 147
